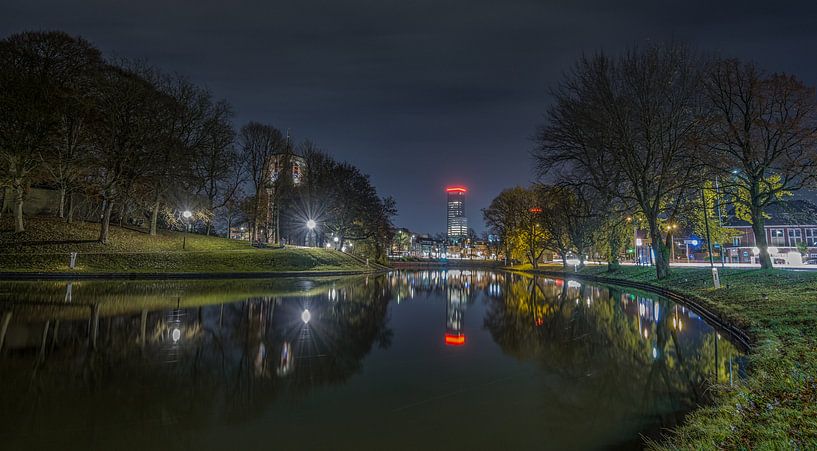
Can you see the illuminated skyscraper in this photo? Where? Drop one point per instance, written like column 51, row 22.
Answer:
column 457, row 229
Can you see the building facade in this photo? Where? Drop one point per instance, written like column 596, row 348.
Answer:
column 791, row 233
column 277, row 165
column 457, row 223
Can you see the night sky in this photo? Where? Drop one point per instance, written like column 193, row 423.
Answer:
column 419, row 94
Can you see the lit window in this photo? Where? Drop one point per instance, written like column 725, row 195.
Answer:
column 795, row 236
column 778, row 238
column 811, row 237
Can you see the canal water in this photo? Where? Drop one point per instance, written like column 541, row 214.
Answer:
column 447, row 360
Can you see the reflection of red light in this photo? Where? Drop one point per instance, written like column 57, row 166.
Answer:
column 539, row 321
column 456, row 189
column 535, row 210
column 559, row 282
column 454, row 340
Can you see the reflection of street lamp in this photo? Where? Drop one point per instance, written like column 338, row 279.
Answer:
column 187, row 214
column 311, row 224
column 306, row 316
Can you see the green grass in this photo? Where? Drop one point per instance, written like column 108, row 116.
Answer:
column 46, row 243
column 51, row 235
column 776, row 406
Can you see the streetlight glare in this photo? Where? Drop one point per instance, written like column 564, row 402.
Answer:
column 311, row 224
column 187, row 214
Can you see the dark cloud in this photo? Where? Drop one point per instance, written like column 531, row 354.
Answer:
column 419, row 94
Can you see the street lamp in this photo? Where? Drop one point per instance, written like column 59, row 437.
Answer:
column 311, row 224
column 187, row 214
column 670, row 228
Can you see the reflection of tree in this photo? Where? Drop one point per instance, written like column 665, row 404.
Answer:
column 219, row 366
column 623, row 350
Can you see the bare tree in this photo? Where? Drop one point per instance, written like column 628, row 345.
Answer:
column 639, row 116
column 74, row 66
column 553, row 210
column 124, row 129
column 36, row 71
column 184, row 113
column 218, row 167
column 257, row 143
column 762, row 138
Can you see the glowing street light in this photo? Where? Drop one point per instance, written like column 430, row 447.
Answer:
column 306, row 316
column 187, row 214
column 311, row 224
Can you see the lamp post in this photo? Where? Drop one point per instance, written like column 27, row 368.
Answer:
column 187, row 214
column 670, row 228
column 311, row 224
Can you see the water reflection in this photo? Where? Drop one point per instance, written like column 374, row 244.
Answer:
column 639, row 352
column 208, row 364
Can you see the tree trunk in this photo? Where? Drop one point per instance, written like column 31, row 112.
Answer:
column 614, row 250
column 70, row 218
column 154, row 215
column 758, row 222
column 658, row 248
column 760, row 239
column 122, row 207
column 62, row 202
column 19, row 191
column 256, row 213
column 106, row 222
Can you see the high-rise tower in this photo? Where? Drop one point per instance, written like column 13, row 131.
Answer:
column 457, row 229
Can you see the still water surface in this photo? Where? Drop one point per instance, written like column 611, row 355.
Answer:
column 410, row 360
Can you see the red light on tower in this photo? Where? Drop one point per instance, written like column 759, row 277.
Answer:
column 456, row 189
column 454, row 339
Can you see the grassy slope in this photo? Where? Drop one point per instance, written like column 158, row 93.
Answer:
column 776, row 407
column 45, row 245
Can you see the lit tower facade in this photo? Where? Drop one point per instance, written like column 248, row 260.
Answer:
column 457, row 226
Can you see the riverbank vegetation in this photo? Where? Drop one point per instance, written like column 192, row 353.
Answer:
column 46, row 245
column 122, row 143
column 775, row 407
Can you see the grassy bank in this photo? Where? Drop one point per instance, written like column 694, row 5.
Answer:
column 776, row 406
column 45, row 245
